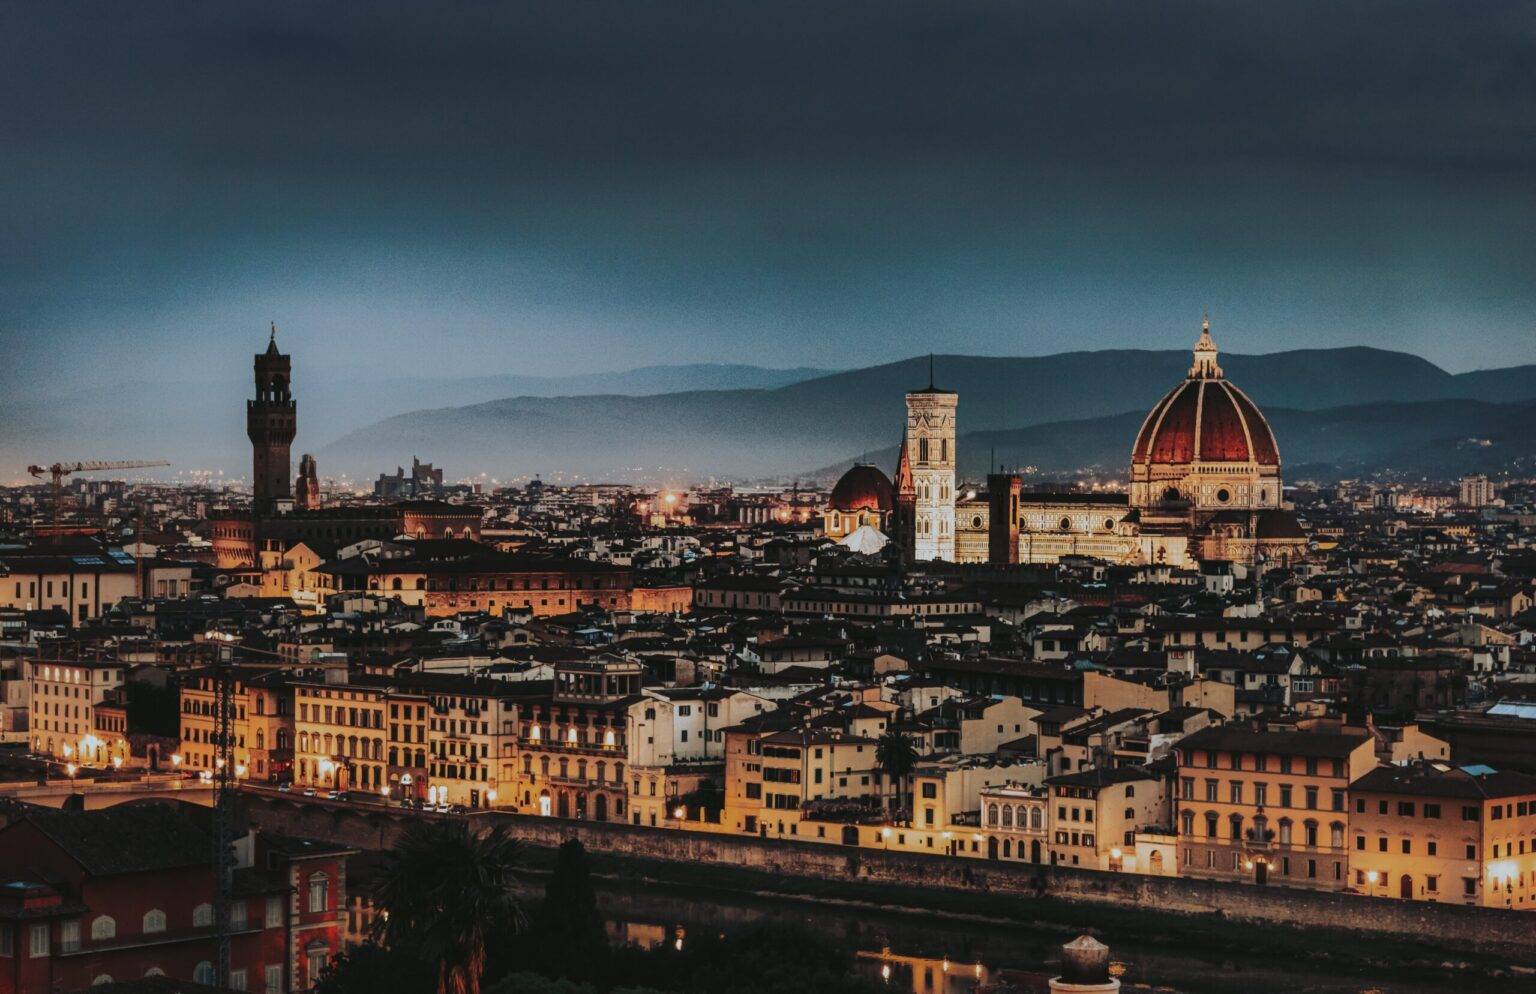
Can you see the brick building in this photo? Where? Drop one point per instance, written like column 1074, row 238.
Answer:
column 127, row 892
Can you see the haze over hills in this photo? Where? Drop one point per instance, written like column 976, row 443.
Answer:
column 201, row 422
column 791, row 429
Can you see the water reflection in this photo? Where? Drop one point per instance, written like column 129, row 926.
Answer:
column 922, row 953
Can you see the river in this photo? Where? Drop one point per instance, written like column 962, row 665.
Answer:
column 927, row 953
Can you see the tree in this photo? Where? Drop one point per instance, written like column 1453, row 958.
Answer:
column 443, row 892
column 568, row 936
column 896, row 755
column 372, row 969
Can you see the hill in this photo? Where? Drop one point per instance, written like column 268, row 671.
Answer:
column 1438, row 439
column 823, row 420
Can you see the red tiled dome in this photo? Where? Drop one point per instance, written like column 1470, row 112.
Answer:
column 1205, row 420
column 863, row 488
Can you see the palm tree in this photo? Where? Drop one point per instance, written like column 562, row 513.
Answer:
column 896, row 755
column 443, row 893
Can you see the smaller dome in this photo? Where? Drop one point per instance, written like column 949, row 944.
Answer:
column 862, row 488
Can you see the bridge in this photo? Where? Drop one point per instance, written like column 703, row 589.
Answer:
column 105, row 793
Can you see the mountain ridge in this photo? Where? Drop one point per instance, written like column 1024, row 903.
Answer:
column 823, row 420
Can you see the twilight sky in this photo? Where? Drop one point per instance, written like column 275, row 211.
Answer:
column 459, row 188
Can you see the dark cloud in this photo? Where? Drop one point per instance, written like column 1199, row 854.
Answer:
column 552, row 187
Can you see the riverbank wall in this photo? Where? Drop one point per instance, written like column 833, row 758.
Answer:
column 760, row 863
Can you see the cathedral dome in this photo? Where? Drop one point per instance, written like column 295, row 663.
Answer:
column 1205, row 419
column 863, row 487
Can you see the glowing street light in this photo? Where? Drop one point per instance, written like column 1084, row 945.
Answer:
column 175, row 759
column 71, row 769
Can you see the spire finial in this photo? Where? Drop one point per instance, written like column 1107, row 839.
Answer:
column 1205, row 366
column 273, row 339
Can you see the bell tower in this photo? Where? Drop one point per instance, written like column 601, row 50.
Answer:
column 930, row 445
column 270, row 423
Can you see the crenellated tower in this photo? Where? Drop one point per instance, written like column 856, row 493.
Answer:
column 270, row 423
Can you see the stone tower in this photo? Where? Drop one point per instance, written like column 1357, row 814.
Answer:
column 270, row 422
column 306, row 490
column 930, row 445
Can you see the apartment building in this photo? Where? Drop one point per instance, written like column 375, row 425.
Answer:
column 63, row 695
column 1269, row 805
column 572, row 742
column 339, row 731
column 261, row 719
column 676, row 745
column 1428, row 831
column 1095, row 814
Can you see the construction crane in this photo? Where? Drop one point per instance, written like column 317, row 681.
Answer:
column 59, row 470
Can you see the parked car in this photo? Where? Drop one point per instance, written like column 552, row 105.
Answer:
column 309, row 792
column 285, row 787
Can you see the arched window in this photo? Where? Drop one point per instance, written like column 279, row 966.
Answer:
column 1008, row 816
column 202, row 916
column 104, row 927
column 1210, row 824
column 1285, row 831
column 1035, row 818
column 154, row 920
column 203, row 973
column 101, row 978
column 154, row 971
column 991, row 814
column 319, row 892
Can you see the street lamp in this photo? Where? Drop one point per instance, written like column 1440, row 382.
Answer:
column 175, row 759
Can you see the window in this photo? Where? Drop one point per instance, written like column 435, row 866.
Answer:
column 237, row 979
column 319, row 892
column 104, row 927
column 101, row 979
column 7, row 942
column 930, row 791
column 274, row 978
column 203, row 973
column 154, row 920
column 274, row 912
column 316, row 955
column 37, row 941
column 237, row 917
column 202, row 916
column 69, row 936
